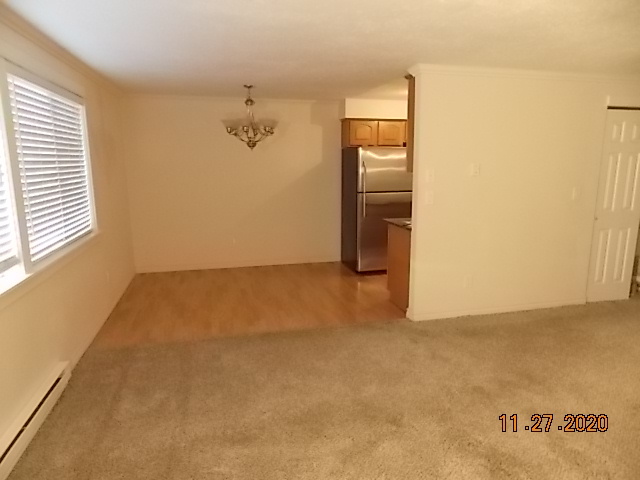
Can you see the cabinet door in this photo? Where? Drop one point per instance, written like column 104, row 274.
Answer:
column 391, row 134
column 398, row 261
column 363, row 133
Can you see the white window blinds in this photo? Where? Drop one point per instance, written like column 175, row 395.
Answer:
column 8, row 251
column 49, row 131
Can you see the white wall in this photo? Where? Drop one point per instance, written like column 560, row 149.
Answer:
column 55, row 314
column 512, row 238
column 373, row 108
column 201, row 199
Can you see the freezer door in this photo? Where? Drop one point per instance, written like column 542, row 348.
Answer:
column 373, row 208
column 384, row 170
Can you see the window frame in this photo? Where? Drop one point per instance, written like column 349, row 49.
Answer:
column 6, row 265
column 25, row 267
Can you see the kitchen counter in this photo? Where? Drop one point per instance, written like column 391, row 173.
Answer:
column 399, row 222
column 398, row 258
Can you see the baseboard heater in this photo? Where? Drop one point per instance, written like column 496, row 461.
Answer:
column 15, row 441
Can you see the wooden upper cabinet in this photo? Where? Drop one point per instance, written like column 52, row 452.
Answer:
column 363, row 133
column 391, row 134
column 373, row 133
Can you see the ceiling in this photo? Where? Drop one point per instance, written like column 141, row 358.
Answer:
column 333, row 48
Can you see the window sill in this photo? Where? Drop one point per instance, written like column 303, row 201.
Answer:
column 15, row 282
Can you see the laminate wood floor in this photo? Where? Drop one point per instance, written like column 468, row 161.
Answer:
column 194, row 305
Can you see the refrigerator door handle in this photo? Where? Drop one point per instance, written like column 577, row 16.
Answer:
column 364, row 189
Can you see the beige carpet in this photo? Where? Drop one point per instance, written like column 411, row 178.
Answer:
column 401, row 401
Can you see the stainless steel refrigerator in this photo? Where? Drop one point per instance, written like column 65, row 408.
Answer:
column 375, row 186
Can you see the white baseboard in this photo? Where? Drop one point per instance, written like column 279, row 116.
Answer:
column 18, row 436
column 438, row 315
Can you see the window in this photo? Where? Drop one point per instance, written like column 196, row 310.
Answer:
column 49, row 203
column 8, row 248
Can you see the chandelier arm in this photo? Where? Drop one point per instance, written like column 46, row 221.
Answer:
column 252, row 132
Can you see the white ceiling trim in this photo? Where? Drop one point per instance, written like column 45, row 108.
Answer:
column 455, row 70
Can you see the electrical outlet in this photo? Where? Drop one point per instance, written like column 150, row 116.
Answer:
column 474, row 170
column 575, row 193
column 429, row 197
column 430, row 177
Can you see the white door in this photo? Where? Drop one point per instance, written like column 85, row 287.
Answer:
column 615, row 230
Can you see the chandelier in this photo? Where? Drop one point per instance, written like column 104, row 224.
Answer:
column 250, row 132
